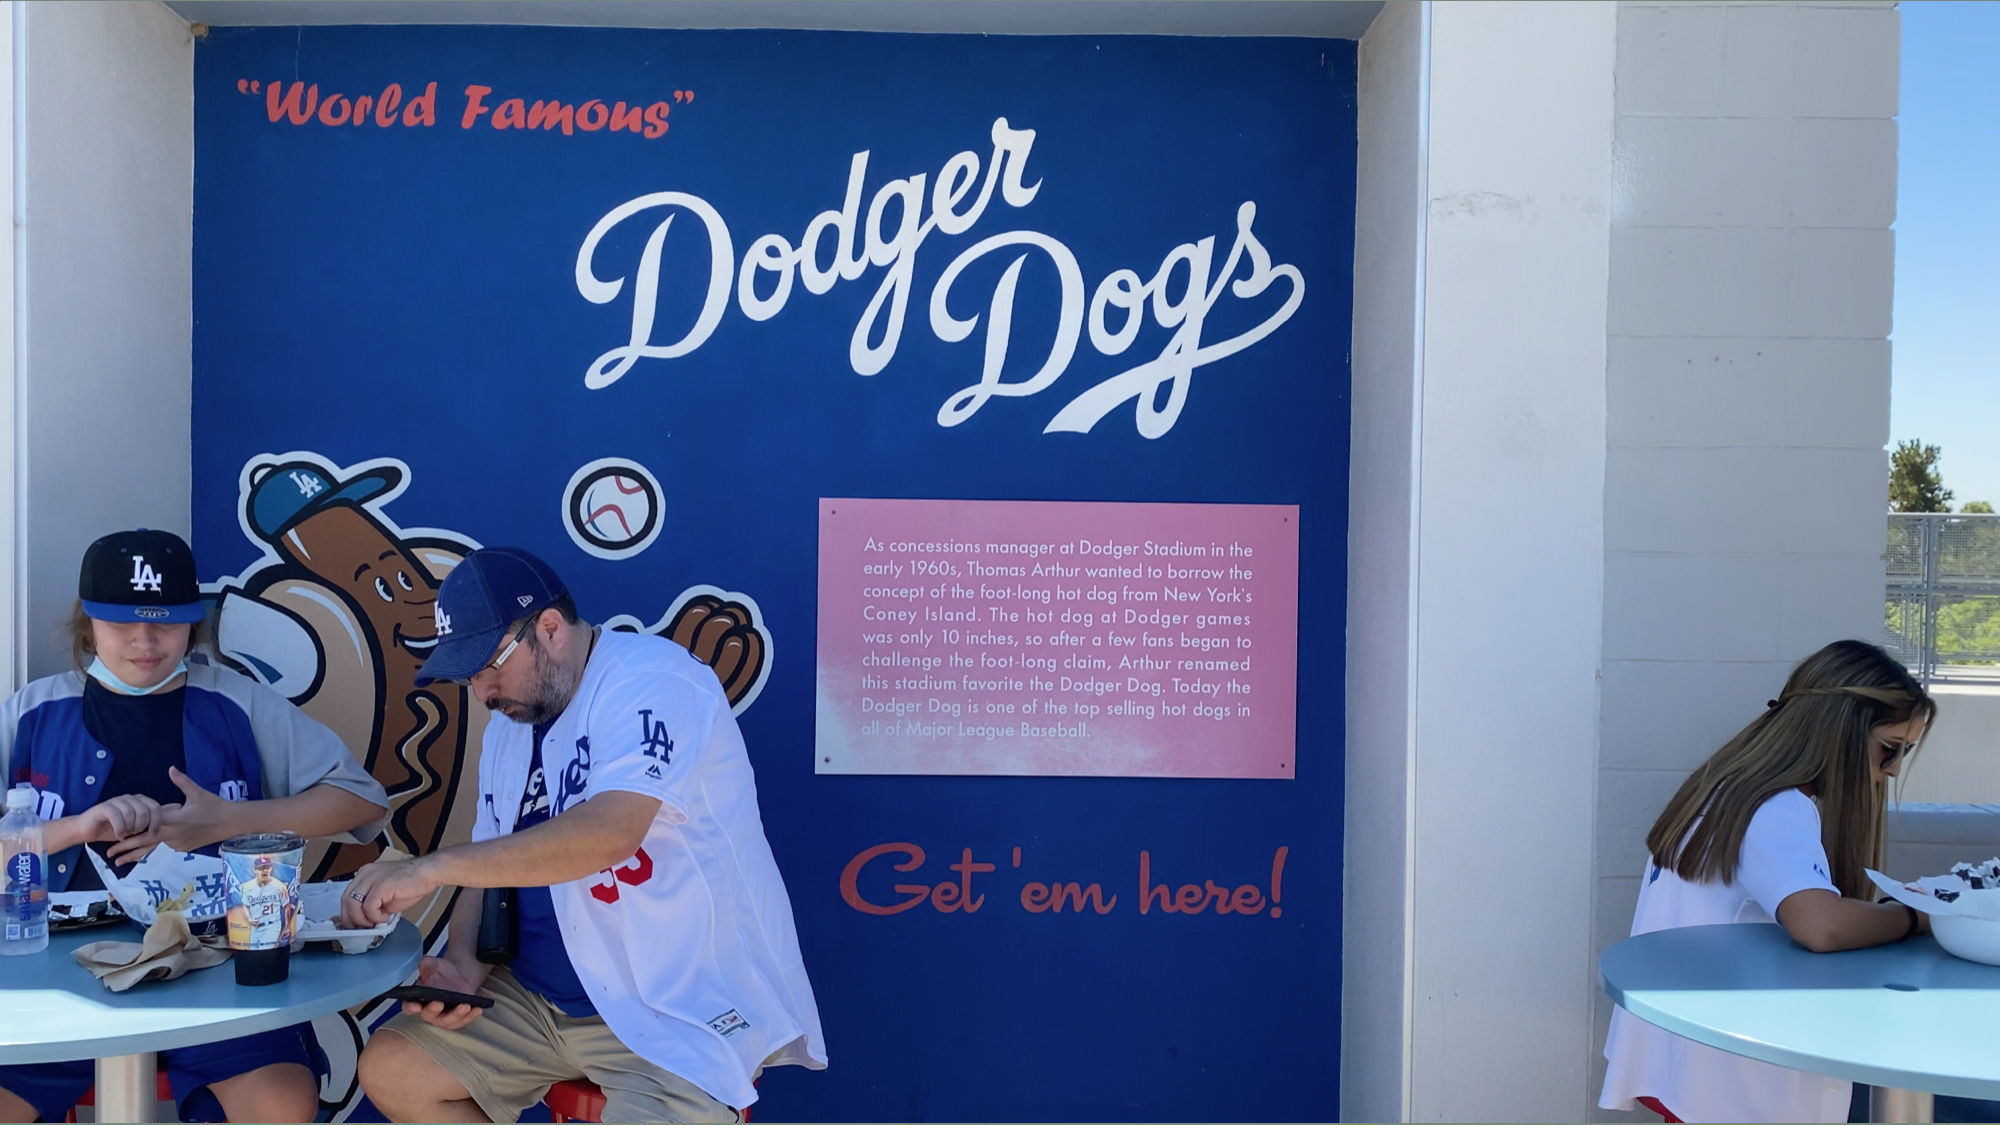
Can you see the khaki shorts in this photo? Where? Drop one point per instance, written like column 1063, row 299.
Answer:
column 509, row 1057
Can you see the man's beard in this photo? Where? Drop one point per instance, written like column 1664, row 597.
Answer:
column 549, row 695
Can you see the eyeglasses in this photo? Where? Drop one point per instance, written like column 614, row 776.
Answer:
column 527, row 627
column 1893, row 751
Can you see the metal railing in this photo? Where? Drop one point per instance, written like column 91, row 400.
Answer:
column 1942, row 615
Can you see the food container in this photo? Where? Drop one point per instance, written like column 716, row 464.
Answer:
column 1964, row 907
column 319, row 920
column 1975, row 939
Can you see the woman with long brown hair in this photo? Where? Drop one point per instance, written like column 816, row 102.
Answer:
column 1779, row 825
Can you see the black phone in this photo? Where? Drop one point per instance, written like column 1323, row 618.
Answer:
column 424, row 994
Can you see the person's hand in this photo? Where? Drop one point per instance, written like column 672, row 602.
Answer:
column 440, row 973
column 133, row 814
column 381, row 889
column 200, row 819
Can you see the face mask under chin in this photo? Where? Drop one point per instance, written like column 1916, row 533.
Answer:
column 103, row 675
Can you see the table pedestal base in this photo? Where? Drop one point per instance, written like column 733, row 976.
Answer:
column 126, row 1088
column 1886, row 1104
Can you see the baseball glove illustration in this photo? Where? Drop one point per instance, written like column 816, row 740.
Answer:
column 724, row 636
column 722, row 629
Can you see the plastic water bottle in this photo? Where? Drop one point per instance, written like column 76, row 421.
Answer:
column 24, row 876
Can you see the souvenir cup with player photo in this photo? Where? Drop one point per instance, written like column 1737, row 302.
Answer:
column 263, row 912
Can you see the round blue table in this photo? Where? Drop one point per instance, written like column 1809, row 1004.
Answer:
column 56, row 1010
column 1908, row 1018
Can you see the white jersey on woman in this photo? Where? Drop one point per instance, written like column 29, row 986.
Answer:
column 1782, row 855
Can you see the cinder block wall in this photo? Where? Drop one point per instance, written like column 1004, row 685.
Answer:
column 1747, row 383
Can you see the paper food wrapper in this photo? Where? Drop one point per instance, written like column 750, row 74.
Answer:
column 167, row 881
column 1969, row 891
column 197, row 886
column 168, row 950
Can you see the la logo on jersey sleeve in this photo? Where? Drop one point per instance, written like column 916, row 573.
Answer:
column 654, row 743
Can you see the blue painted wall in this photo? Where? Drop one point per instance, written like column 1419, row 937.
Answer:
column 411, row 291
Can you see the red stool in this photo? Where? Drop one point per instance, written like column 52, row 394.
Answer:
column 161, row 1093
column 576, row 1100
column 579, row 1099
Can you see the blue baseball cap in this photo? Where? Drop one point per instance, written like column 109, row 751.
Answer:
column 285, row 493
column 493, row 588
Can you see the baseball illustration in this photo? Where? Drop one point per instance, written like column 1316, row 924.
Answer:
column 611, row 508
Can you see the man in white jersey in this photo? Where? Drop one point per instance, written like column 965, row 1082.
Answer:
column 656, row 953
column 266, row 904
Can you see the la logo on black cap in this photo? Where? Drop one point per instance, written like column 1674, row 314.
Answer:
column 140, row 575
column 144, row 577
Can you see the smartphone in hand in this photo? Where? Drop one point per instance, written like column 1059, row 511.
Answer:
column 424, row 994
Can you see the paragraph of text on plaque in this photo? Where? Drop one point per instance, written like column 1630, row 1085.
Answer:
column 1057, row 638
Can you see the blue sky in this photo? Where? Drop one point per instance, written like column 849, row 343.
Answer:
column 1947, row 333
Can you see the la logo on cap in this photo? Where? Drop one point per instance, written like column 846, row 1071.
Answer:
column 144, row 577
column 444, row 622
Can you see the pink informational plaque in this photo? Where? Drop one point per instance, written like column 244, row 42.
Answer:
column 1057, row 638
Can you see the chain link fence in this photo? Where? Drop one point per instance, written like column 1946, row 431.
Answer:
column 1942, row 614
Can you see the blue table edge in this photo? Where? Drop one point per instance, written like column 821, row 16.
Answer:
column 1948, row 1085
column 270, row 1020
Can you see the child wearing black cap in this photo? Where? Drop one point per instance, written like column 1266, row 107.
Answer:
column 137, row 747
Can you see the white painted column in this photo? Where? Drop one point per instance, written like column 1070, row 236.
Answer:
column 1381, row 571
column 10, row 481
column 1510, row 557
column 105, row 220
column 1477, row 559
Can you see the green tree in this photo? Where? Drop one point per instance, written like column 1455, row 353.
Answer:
column 1976, row 508
column 1914, row 482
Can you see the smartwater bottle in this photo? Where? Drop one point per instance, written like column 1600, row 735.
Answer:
column 24, row 877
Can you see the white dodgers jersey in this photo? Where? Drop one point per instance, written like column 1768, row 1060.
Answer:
column 687, row 948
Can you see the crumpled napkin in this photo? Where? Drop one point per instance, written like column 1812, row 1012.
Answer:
column 168, row 950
